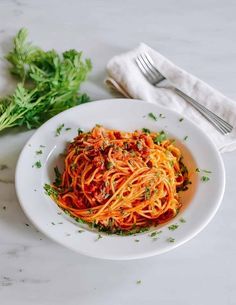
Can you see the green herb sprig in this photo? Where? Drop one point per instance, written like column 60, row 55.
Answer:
column 48, row 83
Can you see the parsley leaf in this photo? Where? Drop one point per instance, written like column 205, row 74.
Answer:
column 173, row 227
column 146, row 130
column 98, row 237
column 206, row 171
column 160, row 138
column 50, row 191
column 37, row 164
column 58, row 176
column 109, row 165
column 59, row 129
column 170, row 239
column 182, row 220
column 79, row 130
column 152, row 116
column 155, row 233
column 48, row 83
column 205, row 178
column 147, row 194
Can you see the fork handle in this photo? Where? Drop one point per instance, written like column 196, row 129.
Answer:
column 220, row 124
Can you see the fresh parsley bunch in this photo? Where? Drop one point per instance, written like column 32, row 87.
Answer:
column 49, row 84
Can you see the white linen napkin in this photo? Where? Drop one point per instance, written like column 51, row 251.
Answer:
column 125, row 77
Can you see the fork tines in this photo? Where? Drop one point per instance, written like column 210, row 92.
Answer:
column 146, row 65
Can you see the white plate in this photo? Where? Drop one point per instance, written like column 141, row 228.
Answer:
column 201, row 200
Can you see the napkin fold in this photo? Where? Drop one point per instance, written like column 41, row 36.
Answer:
column 125, row 77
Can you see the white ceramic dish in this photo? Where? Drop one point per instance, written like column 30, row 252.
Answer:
column 201, row 200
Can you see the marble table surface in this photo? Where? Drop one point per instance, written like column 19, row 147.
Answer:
column 199, row 36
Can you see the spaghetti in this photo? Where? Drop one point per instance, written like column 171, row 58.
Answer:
column 120, row 181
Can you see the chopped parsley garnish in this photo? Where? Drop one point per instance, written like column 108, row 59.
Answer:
column 160, row 138
column 79, row 130
column 136, row 240
column 80, row 231
column 181, row 119
column 185, row 138
column 173, row 227
column 203, row 170
column 50, row 191
column 79, row 220
column 39, row 152
column 152, row 116
column 206, row 171
column 74, row 166
column 138, row 282
column 146, row 130
column 42, row 146
column 155, row 233
column 161, row 116
column 98, row 237
column 58, row 176
column 37, row 164
column 182, row 220
column 170, row 240
column 59, row 129
column 68, row 128
column 147, row 194
column 53, row 223
column 109, row 165
column 205, row 178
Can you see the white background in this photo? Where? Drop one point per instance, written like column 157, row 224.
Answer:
column 200, row 37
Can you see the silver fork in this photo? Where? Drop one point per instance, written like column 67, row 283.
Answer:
column 148, row 69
